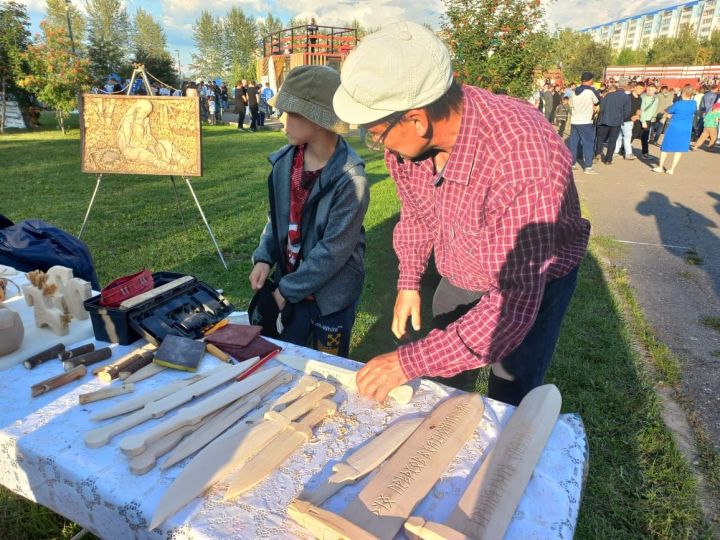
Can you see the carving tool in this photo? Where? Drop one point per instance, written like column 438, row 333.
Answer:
column 382, row 507
column 258, row 364
column 88, row 359
column 283, row 446
column 101, row 436
column 140, row 401
column 77, row 351
column 217, row 353
column 43, row 356
column 133, row 445
column 346, row 377
column 363, row 461
column 209, row 431
column 219, row 458
column 490, row 500
column 58, row 381
column 105, row 393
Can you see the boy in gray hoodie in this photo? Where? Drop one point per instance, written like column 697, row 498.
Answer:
column 314, row 237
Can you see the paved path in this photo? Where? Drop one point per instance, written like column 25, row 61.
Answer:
column 662, row 222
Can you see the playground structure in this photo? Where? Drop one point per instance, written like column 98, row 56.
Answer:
column 673, row 76
column 302, row 46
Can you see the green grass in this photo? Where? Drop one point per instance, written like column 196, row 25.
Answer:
column 711, row 322
column 638, row 485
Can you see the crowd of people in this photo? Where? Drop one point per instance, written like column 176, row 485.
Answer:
column 253, row 99
column 604, row 119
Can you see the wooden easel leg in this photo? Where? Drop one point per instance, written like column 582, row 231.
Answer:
column 177, row 201
column 202, row 214
column 92, row 201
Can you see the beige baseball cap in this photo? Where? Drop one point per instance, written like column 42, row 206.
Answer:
column 402, row 66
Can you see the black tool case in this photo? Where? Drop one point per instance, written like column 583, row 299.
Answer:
column 186, row 310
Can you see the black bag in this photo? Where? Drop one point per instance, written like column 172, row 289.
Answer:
column 36, row 245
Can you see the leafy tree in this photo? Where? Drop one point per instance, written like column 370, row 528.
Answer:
column 208, row 61
column 239, row 45
column 108, row 37
column 269, row 25
column 496, row 45
column 630, row 57
column 682, row 49
column 14, row 40
column 576, row 52
column 56, row 15
column 713, row 45
column 53, row 73
column 150, row 47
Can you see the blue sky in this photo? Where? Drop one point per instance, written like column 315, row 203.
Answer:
column 178, row 16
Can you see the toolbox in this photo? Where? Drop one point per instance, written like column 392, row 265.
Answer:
column 187, row 310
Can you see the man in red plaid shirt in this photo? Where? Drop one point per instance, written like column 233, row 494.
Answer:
column 486, row 185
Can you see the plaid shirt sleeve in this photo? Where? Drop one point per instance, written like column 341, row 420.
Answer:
column 519, row 244
column 412, row 239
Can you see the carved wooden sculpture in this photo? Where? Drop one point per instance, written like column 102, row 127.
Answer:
column 490, row 500
column 44, row 308
column 76, row 292
column 385, row 503
column 346, row 377
column 237, row 445
column 363, row 461
column 286, row 444
column 101, row 436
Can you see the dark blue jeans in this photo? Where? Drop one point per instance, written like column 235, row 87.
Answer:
column 585, row 135
column 524, row 368
column 330, row 334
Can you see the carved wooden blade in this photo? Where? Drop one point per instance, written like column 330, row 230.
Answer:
column 101, row 436
column 225, row 453
column 346, row 377
column 364, row 460
column 489, row 502
column 211, row 430
column 325, row 524
column 135, row 444
column 428, row 530
column 283, row 446
column 385, row 503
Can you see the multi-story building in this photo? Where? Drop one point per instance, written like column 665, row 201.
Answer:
column 639, row 31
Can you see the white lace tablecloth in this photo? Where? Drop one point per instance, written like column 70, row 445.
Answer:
column 43, row 458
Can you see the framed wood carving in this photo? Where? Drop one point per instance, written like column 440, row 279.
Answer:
column 141, row 135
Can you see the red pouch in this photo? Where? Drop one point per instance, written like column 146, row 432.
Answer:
column 126, row 287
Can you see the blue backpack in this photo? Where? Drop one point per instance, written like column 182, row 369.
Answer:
column 36, row 245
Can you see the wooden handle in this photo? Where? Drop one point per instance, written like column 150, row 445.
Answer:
column 145, row 373
column 77, row 351
column 427, row 530
column 142, row 463
column 44, row 356
column 323, row 409
column 305, row 384
column 88, row 359
column 305, row 403
column 60, row 380
column 323, row 492
column 142, row 360
column 217, row 353
column 106, row 393
column 101, row 436
column 325, row 524
column 125, row 359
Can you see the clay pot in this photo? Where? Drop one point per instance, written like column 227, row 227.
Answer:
column 12, row 330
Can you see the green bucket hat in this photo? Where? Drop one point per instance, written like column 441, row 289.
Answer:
column 308, row 91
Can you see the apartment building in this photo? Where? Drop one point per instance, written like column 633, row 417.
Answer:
column 639, row 31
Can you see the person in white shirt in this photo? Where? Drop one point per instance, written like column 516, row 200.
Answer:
column 583, row 102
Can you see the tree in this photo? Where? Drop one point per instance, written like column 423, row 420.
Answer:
column 150, row 47
column 208, row 61
column 269, row 25
column 576, row 52
column 56, row 15
column 713, row 44
column 240, row 43
column 53, row 73
column 682, row 49
column 496, row 45
column 14, row 40
column 108, row 37
column 630, row 57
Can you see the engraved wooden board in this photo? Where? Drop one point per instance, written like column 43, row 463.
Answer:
column 385, row 503
column 489, row 502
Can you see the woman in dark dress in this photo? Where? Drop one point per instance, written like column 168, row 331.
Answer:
column 677, row 136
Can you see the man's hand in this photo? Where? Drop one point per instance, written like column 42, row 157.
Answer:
column 407, row 304
column 380, row 375
column 258, row 275
column 279, row 299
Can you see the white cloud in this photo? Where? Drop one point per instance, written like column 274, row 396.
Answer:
column 578, row 14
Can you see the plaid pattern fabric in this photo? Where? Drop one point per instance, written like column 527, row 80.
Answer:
column 504, row 218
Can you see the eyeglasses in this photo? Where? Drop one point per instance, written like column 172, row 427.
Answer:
column 376, row 142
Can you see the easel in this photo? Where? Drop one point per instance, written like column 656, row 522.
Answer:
column 139, row 71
